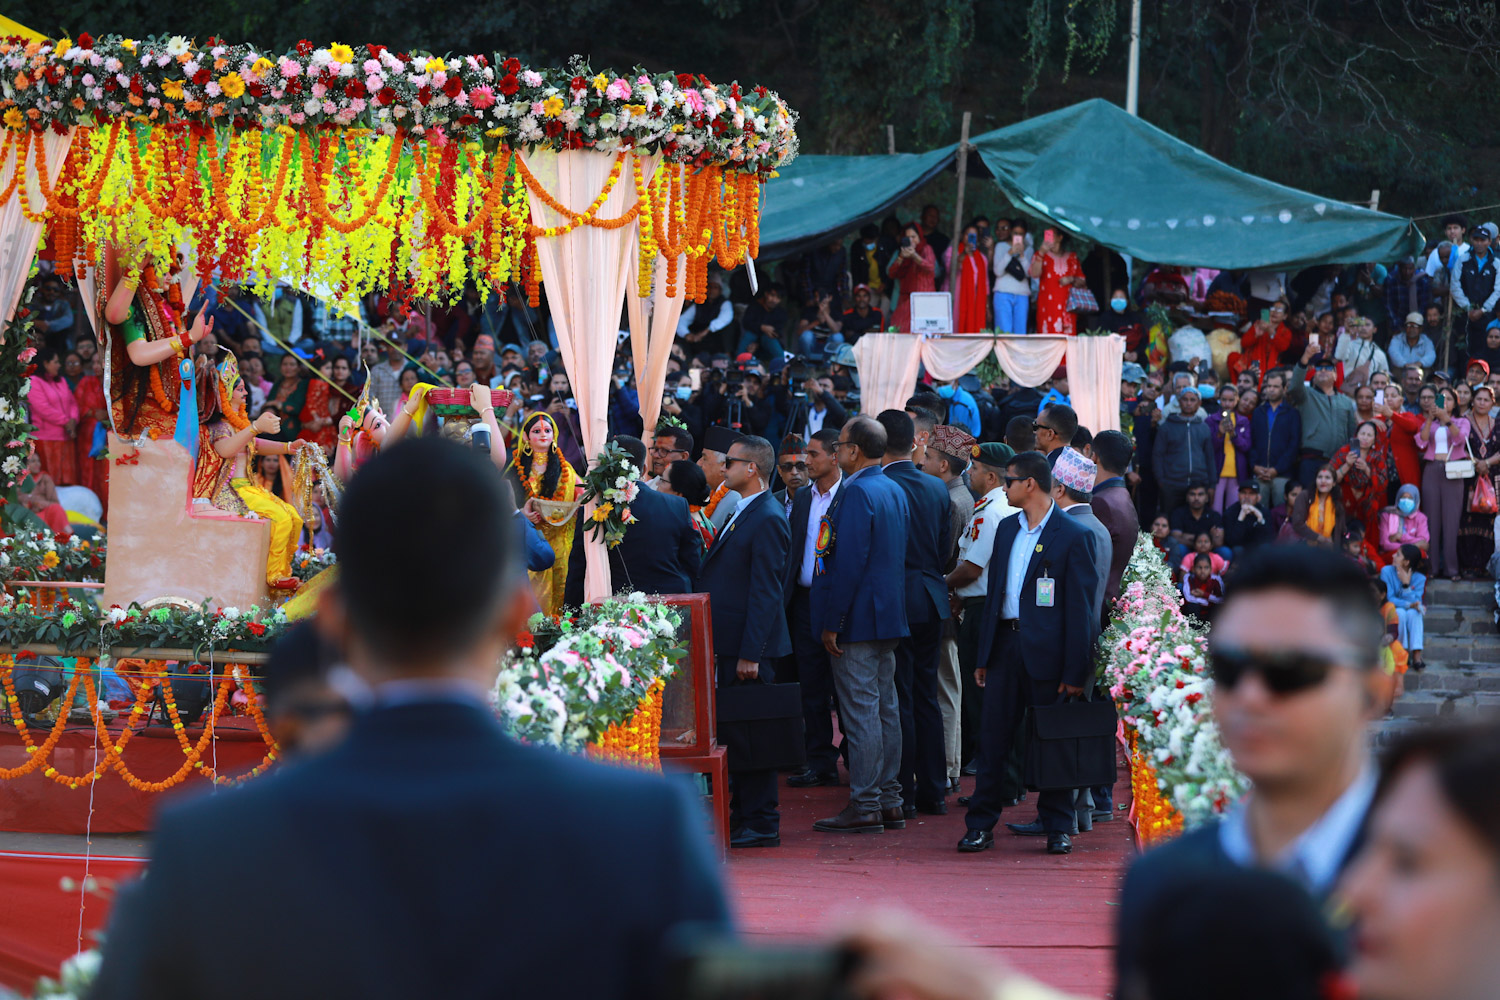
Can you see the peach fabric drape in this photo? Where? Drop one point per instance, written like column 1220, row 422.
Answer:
column 585, row 272
column 18, row 235
column 653, row 328
column 1094, row 368
column 946, row 358
column 888, row 365
column 1031, row 359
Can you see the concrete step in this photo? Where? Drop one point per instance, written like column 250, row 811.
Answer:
column 1426, row 704
column 1453, row 649
column 1463, row 594
column 1454, row 679
column 1441, row 620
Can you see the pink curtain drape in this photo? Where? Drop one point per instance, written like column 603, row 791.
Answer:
column 1094, row 369
column 1030, row 360
column 888, row 365
column 653, row 328
column 946, row 358
column 586, row 272
column 18, row 235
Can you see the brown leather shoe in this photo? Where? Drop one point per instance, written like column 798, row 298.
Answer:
column 893, row 818
column 850, row 821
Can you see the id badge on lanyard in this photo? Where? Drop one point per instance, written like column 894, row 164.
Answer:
column 1045, row 590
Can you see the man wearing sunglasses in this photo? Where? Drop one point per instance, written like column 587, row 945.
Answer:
column 1054, row 428
column 1295, row 651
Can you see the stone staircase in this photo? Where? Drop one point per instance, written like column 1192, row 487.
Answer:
column 1463, row 658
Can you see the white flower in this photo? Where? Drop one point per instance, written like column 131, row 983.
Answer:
column 177, row 45
column 116, row 615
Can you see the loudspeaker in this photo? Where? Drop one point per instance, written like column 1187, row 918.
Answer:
column 38, row 683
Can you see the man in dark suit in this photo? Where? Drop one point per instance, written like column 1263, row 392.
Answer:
column 859, row 606
column 1054, row 428
column 742, row 574
column 814, row 672
column 661, row 551
column 428, row 849
column 1295, row 657
column 1112, row 506
column 791, row 468
column 1034, row 645
column 924, row 770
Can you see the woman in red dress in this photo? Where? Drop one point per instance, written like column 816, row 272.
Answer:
column 1059, row 273
column 318, row 423
column 92, row 411
column 914, row 267
column 1262, row 342
column 969, row 281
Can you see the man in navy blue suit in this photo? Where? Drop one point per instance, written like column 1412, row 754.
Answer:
column 428, row 854
column 1035, row 645
column 742, row 574
column 661, row 552
column 814, row 672
column 924, row 774
column 859, row 604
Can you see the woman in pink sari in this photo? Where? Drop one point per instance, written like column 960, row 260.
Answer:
column 914, row 267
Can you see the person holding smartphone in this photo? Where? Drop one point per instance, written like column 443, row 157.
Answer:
column 1059, row 272
column 1012, row 289
column 915, row 267
column 969, row 281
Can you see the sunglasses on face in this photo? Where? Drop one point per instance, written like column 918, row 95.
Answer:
column 1282, row 672
column 793, row 466
column 1012, row 480
column 1037, row 425
column 731, row 460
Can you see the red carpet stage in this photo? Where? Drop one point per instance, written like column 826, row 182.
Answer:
column 1050, row 917
column 37, row 804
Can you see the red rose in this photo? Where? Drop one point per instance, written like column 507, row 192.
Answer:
column 85, row 41
column 135, row 85
column 509, row 85
column 293, row 86
column 453, row 87
column 577, row 83
column 467, row 120
column 304, row 48
column 256, row 628
column 202, row 77
column 684, row 79
column 424, row 95
column 257, row 90
column 354, row 89
column 387, row 95
column 554, row 127
column 513, row 65
column 375, row 50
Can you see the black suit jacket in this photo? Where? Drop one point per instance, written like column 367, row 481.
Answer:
column 927, row 542
column 1056, row 643
column 742, row 574
column 429, row 855
column 661, row 551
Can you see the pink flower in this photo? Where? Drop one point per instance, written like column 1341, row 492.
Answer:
column 618, row 91
column 531, row 78
column 318, row 90
column 371, row 66
column 482, row 97
column 289, row 67
column 27, row 354
column 536, row 108
column 357, row 105
column 298, row 118
column 694, row 100
column 329, row 107
column 374, row 82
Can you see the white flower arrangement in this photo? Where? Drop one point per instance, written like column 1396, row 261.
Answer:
column 1154, row 660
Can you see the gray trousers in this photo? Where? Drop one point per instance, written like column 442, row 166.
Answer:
column 865, row 680
column 950, row 701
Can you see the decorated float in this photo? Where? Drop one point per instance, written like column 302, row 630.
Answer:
column 151, row 166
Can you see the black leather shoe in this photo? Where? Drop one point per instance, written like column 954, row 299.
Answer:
column 1083, row 820
column 952, row 785
column 893, row 818
column 933, row 808
column 970, row 769
column 812, row 779
column 1104, row 815
column 1032, row 829
column 849, row 821
column 963, row 800
column 750, row 838
column 1012, row 803
column 975, row 841
column 909, row 812
column 1059, row 843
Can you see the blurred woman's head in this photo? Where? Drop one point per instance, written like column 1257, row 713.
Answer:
column 1425, row 889
column 686, row 480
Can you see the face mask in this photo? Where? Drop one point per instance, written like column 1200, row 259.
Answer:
column 684, row 392
column 1406, row 505
column 1118, row 305
column 870, row 245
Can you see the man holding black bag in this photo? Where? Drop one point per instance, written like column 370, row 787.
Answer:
column 1035, row 643
column 742, row 574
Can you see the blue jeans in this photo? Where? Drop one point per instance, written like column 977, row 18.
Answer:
column 807, row 343
column 758, row 342
column 1010, row 312
column 865, row 680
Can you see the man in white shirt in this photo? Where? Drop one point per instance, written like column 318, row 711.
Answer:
column 968, row 582
column 813, row 671
column 1295, row 658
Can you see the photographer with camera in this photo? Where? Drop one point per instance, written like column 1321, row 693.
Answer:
column 681, row 402
column 739, row 401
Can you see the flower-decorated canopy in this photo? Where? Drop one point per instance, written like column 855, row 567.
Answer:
column 358, row 167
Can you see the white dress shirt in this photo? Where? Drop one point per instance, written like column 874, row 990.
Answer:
column 1019, row 559
column 815, row 512
column 740, row 507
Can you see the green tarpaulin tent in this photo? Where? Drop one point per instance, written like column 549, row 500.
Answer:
column 1111, row 178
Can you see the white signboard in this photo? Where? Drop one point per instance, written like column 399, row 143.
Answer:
column 931, row 312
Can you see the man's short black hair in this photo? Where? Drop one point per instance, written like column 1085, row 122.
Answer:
column 1456, row 220
column 1321, row 574
column 634, row 447
column 682, row 438
column 1082, row 438
column 1063, row 420
column 867, row 434
column 955, row 466
column 922, row 418
column 1032, row 465
column 1019, row 435
column 827, row 437
column 900, row 431
column 772, row 286
column 1112, row 451
column 759, row 451
column 928, row 401
column 423, row 496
